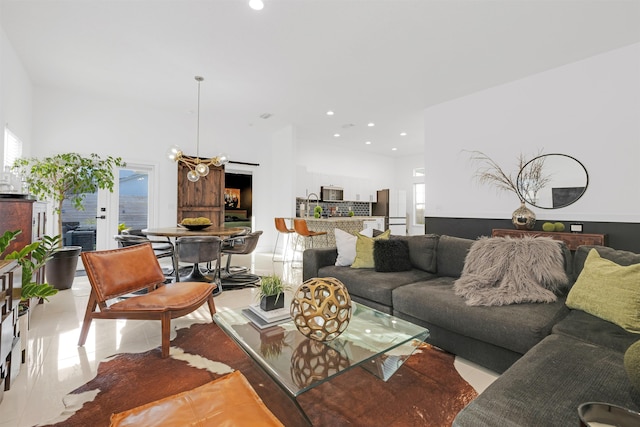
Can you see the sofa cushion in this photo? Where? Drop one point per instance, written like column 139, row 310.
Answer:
column 546, row 386
column 364, row 250
column 615, row 255
column 422, row 251
column 346, row 245
column 368, row 284
column 515, row 327
column 451, row 253
column 391, row 255
column 609, row 291
column 586, row 327
column 503, row 270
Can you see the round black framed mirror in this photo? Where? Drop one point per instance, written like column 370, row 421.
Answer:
column 552, row 181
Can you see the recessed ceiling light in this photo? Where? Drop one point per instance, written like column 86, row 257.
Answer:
column 403, row 134
column 329, row 113
column 394, row 149
column 256, row 4
column 337, row 135
column 368, row 142
column 371, row 124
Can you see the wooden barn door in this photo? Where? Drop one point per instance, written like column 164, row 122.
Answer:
column 203, row 198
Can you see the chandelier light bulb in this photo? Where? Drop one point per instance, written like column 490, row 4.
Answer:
column 256, row 4
column 202, row 169
column 193, row 176
column 174, row 153
column 221, row 159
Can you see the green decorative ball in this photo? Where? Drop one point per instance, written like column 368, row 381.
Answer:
column 632, row 364
column 558, row 226
column 548, row 226
column 318, row 209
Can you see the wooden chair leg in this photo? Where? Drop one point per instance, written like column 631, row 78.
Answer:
column 166, row 334
column 212, row 305
column 86, row 323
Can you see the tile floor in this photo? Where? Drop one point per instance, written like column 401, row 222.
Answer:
column 56, row 365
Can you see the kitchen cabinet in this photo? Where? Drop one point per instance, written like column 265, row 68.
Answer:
column 377, row 223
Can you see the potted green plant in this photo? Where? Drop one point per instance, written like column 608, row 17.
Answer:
column 31, row 259
column 66, row 176
column 271, row 292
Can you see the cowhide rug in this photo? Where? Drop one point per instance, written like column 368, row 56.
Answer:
column 425, row 391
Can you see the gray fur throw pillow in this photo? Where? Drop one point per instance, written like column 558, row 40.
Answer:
column 503, row 270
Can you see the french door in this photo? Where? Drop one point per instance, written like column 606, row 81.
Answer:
column 130, row 204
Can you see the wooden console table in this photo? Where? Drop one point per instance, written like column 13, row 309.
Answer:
column 573, row 240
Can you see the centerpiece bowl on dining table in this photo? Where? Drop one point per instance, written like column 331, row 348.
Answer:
column 195, row 227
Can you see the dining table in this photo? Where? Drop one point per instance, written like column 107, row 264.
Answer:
column 179, row 231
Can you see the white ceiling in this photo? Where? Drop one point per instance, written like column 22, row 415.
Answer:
column 380, row 61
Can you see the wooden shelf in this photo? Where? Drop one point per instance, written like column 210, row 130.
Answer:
column 572, row 240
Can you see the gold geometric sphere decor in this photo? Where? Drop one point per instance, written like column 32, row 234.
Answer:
column 321, row 308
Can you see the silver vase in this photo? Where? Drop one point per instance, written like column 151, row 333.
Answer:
column 523, row 218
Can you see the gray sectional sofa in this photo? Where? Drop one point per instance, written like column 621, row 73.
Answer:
column 551, row 358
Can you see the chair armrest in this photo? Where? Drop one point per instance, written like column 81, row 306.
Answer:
column 314, row 259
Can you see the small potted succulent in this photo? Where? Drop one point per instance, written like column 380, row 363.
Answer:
column 271, row 292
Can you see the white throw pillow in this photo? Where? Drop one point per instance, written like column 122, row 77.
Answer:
column 346, row 244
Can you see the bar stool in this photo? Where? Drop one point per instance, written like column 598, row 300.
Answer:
column 300, row 226
column 197, row 249
column 281, row 226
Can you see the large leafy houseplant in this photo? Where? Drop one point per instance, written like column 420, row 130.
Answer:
column 67, row 176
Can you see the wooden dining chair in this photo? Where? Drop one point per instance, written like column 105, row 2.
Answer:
column 118, row 272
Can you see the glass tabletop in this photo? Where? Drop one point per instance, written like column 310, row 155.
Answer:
column 376, row 341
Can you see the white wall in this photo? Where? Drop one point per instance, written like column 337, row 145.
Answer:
column 359, row 174
column 589, row 109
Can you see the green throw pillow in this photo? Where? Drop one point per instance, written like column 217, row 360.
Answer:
column 364, row 250
column 609, row 291
column 632, row 364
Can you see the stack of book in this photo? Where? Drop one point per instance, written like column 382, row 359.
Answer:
column 264, row 319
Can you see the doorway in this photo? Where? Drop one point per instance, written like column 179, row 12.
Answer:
column 238, row 199
column 129, row 206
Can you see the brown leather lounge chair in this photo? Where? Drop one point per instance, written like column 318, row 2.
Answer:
column 117, row 272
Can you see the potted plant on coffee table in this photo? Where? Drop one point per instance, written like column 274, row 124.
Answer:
column 271, row 292
column 66, row 176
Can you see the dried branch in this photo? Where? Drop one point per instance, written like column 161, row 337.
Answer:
column 530, row 181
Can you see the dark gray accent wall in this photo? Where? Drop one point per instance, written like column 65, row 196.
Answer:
column 620, row 235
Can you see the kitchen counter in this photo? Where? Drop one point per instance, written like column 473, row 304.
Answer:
column 350, row 224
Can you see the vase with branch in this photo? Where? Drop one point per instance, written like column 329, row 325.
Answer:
column 526, row 181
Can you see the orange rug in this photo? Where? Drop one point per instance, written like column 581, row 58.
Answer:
column 426, row 391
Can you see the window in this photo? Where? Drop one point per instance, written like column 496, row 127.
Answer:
column 418, row 172
column 418, row 203
column 12, row 148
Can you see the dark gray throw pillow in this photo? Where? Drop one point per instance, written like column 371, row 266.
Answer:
column 391, row 255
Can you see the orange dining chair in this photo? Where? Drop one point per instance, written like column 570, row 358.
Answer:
column 118, row 272
column 281, row 227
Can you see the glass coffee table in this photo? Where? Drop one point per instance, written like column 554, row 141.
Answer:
column 375, row 341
